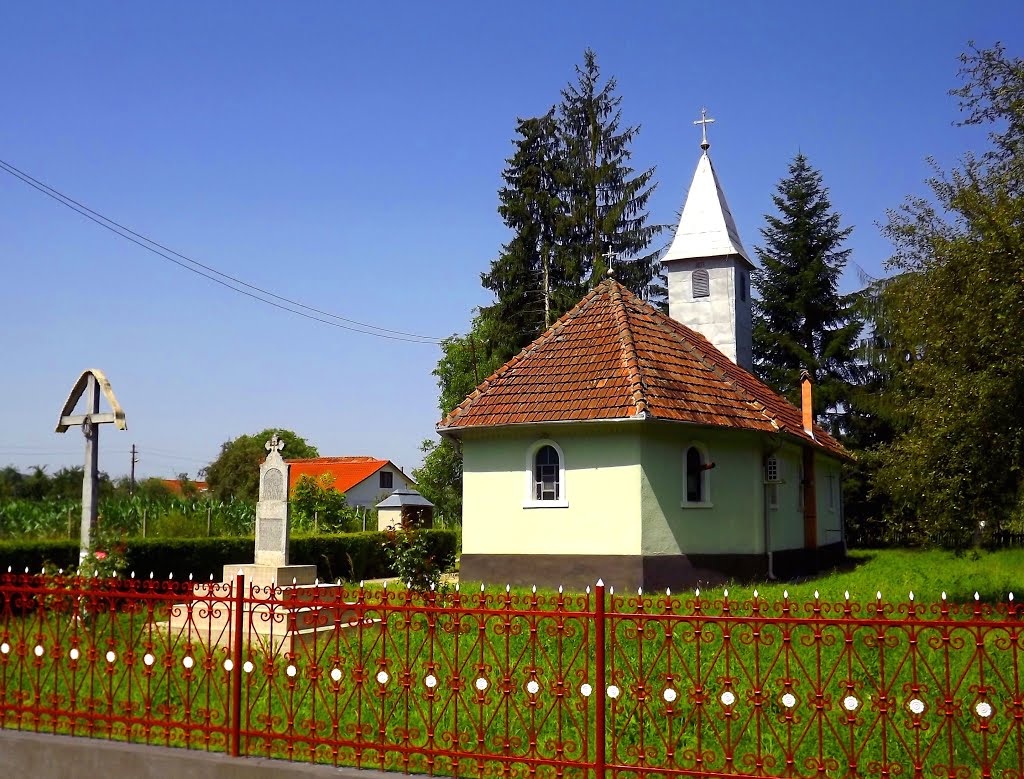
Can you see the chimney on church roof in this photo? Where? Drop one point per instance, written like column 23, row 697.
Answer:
column 807, row 403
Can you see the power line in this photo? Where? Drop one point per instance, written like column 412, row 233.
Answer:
column 170, row 255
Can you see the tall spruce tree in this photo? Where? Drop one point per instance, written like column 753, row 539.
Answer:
column 527, row 278
column 569, row 196
column 801, row 322
column 606, row 198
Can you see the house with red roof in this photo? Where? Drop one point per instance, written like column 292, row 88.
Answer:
column 365, row 480
column 638, row 447
column 175, row 486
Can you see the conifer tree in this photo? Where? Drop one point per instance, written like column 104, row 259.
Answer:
column 527, row 278
column 801, row 322
column 606, row 198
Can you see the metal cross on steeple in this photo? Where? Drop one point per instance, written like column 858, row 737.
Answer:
column 611, row 256
column 704, row 122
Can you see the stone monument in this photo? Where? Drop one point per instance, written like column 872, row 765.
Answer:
column 270, row 562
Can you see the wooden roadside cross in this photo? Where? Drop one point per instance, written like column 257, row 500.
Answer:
column 90, row 383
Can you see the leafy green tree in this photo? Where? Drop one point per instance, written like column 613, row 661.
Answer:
column 606, row 198
column 957, row 314
column 467, row 361
column 317, row 505
column 801, row 322
column 236, row 471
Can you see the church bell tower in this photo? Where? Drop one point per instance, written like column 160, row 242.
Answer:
column 707, row 267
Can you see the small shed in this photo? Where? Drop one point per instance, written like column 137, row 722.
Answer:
column 405, row 508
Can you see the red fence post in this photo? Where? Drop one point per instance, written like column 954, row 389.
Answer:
column 238, row 603
column 599, row 645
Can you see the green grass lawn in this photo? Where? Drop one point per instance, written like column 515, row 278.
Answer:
column 696, row 692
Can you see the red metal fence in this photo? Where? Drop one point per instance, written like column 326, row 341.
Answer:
column 520, row 684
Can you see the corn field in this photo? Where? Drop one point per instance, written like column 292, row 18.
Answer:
column 133, row 516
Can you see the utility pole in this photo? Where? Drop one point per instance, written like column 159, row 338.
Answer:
column 135, row 459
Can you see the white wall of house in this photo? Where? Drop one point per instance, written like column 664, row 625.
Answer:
column 830, row 500
column 730, row 521
column 599, row 510
column 624, row 492
column 368, row 493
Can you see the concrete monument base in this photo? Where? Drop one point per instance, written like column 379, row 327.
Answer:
column 268, row 575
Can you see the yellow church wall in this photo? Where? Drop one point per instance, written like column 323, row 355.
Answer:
column 732, row 520
column 601, row 491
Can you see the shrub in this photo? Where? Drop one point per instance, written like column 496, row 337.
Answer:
column 351, row 556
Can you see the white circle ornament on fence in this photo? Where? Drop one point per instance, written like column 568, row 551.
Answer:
column 38, row 650
column 335, row 675
column 430, row 681
column 586, row 690
column 74, row 654
column 916, row 706
column 532, row 687
column 850, row 703
column 111, row 657
column 247, row 666
column 613, row 691
column 669, row 695
column 188, row 662
column 382, row 677
column 727, row 698
column 228, row 665
column 5, row 648
column 148, row 659
column 984, row 709
column 291, row 670
column 789, row 700
column 481, row 684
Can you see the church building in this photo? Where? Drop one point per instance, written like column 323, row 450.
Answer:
column 639, row 448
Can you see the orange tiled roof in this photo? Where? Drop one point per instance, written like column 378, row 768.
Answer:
column 174, row 485
column 347, row 471
column 614, row 356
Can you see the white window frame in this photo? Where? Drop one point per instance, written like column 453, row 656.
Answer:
column 531, row 502
column 705, row 476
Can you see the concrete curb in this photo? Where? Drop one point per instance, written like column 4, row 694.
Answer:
column 69, row 757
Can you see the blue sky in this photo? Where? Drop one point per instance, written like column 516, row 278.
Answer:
column 348, row 156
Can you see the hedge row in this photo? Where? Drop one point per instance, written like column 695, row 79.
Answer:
column 347, row 556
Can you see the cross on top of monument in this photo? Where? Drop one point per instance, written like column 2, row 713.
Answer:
column 704, row 122
column 275, row 444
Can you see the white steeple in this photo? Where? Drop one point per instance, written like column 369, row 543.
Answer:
column 707, row 266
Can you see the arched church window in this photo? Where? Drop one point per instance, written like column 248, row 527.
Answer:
column 701, row 283
column 546, row 474
column 697, row 468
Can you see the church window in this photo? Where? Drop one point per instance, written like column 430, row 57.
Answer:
column 697, row 467
column 701, row 283
column 546, row 474
column 772, row 479
column 744, row 286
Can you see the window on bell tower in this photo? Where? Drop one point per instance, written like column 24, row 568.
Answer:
column 701, row 283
